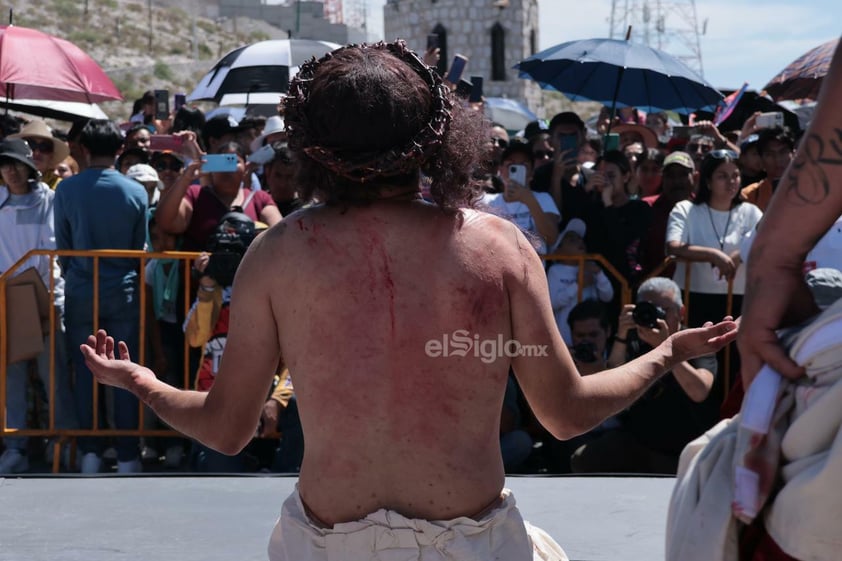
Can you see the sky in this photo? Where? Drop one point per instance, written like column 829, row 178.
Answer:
column 745, row 40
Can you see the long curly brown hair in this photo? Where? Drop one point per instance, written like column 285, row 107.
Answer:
column 369, row 117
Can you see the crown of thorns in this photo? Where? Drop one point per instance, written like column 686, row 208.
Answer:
column 364, row 166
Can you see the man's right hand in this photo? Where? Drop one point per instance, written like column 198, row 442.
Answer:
column 700, row 341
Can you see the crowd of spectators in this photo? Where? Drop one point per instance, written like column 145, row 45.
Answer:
column 606, row 204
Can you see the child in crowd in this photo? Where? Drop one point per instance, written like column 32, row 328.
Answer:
column 563, row 277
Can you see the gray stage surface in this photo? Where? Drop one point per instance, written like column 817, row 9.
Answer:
column 230, row 518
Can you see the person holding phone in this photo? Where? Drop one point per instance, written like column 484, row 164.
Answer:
column 535, row 213
column 197, row 201
column 563, row 177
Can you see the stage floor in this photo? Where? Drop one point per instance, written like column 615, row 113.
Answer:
column 149, row 518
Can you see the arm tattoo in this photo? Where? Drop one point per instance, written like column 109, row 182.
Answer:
column 807, row 179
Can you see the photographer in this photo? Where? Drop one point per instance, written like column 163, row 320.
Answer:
column 673, row 412
column 207, row 327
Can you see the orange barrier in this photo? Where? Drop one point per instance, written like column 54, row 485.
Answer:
column 63, row 435
column 625, row 289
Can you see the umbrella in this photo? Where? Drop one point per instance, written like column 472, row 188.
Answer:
column 620, row 74
column 802, row 78
column 35, row 65
column 258, row 73
column 512, row 114
column 61, row 110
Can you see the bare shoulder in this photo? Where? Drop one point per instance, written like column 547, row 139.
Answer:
column 502, row 239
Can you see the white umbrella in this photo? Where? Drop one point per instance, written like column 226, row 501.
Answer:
column 257, row 73
column 61, row 110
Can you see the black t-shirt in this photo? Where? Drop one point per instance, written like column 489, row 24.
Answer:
column 616, row 233
column 574, row 198
column 665, row 419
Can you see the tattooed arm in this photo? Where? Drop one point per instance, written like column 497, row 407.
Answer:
column 807, row 202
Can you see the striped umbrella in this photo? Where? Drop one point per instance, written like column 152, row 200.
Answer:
column 258, row 73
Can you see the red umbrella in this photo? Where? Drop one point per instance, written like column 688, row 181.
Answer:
column 35, row 65
column 802, row 78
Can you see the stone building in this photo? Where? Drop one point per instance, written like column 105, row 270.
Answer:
column 494, row 35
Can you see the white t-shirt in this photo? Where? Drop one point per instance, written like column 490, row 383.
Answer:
column 703, row 226
column 826, row 254
column 519, row 213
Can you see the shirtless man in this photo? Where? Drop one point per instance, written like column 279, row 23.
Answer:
column 379, row 279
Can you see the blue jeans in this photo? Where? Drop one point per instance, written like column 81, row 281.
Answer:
column 119, row 315
column 17, row 376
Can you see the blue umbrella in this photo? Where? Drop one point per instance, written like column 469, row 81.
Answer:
column 621, row 74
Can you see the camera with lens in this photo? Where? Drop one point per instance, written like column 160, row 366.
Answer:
column 227, row 245
column 584, row 352
column 647, row 314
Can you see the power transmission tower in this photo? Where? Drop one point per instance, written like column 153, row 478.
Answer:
column 671, row 26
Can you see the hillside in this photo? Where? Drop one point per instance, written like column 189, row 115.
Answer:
column 115, row 33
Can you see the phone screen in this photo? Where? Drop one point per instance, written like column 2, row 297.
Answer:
column 161, row 142
column 162, row 104
column 569, row 143
column 457, row 67
column 476, row 89
column 432, row 41
column 219, row 163
column 612, row 141
column 179, row 100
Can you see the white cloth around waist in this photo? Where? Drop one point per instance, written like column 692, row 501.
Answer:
column 386, row 535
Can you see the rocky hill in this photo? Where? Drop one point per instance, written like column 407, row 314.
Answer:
column 183, row 43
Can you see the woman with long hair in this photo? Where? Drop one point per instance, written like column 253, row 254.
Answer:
column 707, row 231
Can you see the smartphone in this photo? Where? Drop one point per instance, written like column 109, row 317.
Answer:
column 457, row 67
column 611, row 142
column 463, row 89
column 432, row 41
column 772, row 120
column 162, row 104
column 683, row 132
column 476, row 89
column 219, row 163
column 517, row 173
column 179, row 101
column 569, row 143
column 162, row 142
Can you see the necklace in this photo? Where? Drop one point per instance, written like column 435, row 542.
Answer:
column 720, row 239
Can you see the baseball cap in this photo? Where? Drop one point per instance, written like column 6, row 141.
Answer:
column 144, row 173
column 683, row 159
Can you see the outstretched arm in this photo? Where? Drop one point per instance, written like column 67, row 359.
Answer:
column 566, row 403
column 807, row 202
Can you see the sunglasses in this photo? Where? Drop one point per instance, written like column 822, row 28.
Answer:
column 500, row 142
column 44, row 146
column 172, row 166
column 722, row 154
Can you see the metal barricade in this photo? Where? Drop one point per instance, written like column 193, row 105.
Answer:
column 68, row 435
